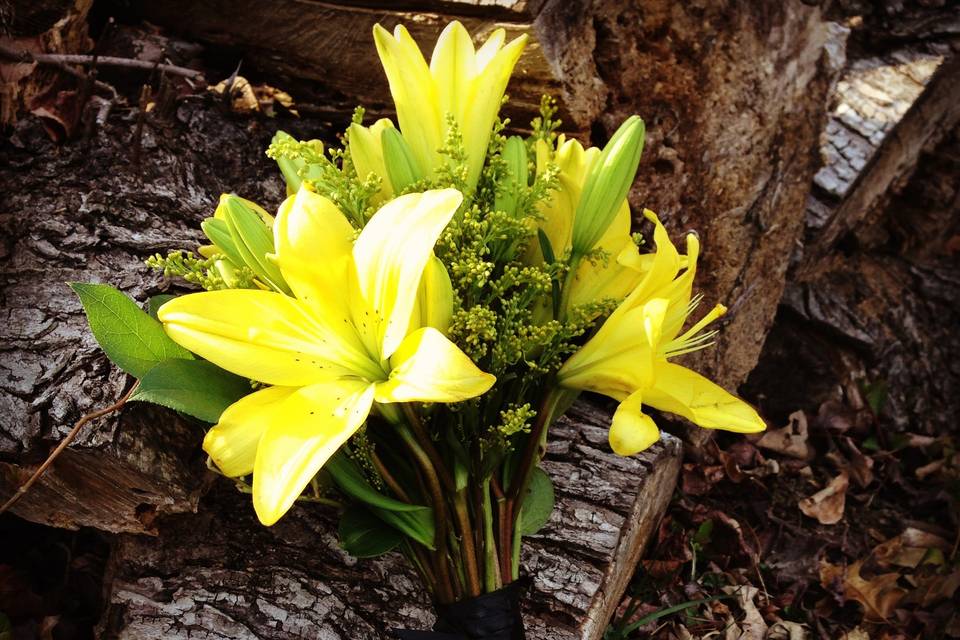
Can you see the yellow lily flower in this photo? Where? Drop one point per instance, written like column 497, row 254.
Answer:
column 628, row 358
column 349, row 337
column 593, row 280
column 461, row 81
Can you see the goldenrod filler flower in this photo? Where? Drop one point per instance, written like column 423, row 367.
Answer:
column 628, row 358
column 350, row 336
column 465, row 83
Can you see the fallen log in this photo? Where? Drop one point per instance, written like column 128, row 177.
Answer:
column 221, row 574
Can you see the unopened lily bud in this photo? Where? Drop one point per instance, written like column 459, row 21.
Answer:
column 401, row 165
column 515, row 179
column 607, row 185
column 250, row 204
column 253, row 240
column 219, row 234
column 289, row 167
column 366, row 153
column 228, row 272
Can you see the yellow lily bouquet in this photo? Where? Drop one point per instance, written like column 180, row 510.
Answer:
column 397, row 340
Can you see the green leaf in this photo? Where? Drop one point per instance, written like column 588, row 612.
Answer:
column 155, row 302
column 364, row 535
column 538, row 505
column 414, row 521
column 132, row 340
column 195, row 387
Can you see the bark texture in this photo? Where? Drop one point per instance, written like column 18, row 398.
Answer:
column 874, row 290
column 220, row 574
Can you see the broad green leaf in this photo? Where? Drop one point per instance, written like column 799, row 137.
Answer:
column 364, row 535
column 538, row 505
column 195, row 387
column 157, row 301
column 132, row 340
column 415, row 521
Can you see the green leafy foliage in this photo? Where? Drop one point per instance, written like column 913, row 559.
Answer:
column 539, row 503
column 412, row 520
column 132, row 340
column 195, row 387
column 364, row 535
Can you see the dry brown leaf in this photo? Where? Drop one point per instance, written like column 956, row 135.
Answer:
column 894, row 552
column 786, row 630
column 933, row 589
column 791, row 440
column 878, row 596
column 827, row 504
column 248, row 98
column 861, row 466
column 909, row 548
column 752, row 625
column 856, row 634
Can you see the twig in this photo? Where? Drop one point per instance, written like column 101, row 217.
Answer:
column 60, row 59
column 93, row 415
column 27, row 57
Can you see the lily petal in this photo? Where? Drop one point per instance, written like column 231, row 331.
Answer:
column 313, row 242
column 681, row 391
column 232, row 442
column 452, row 68
column 414, row 93
column 262, row 335
column 632, row 430
column 304, row 432
column 429, row 368
column 392, row 253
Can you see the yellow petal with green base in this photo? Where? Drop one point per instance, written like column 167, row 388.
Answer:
column 631, row 430
column 686, row 393
column 391, row 254
column 366, row 153
column 429, row 368
column 305, row 430
column 232, row 442
column 313, row 242
column 414, row 93
column 261, row 335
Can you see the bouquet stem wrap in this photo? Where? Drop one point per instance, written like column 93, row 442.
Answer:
column 491, row 616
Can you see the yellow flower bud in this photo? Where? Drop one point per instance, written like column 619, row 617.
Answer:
column 607, row 185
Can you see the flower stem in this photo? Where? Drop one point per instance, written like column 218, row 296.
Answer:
column 491, row 580
column 445, row 589
column 565, row 293
column 467, row 548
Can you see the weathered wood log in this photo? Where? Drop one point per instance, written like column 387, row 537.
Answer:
column 88, row 213
column 888, row 109
column 220, row 574
column 875, row 290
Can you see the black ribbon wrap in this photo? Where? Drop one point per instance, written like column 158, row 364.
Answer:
column 491, row 616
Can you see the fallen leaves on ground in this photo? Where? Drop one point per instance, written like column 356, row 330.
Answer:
column 827, row 505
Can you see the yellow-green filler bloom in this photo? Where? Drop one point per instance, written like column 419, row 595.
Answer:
column 460, row 81
column 628, row 358
column 350, row 336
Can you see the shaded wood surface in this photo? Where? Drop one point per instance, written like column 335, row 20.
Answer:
column 220, row 574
